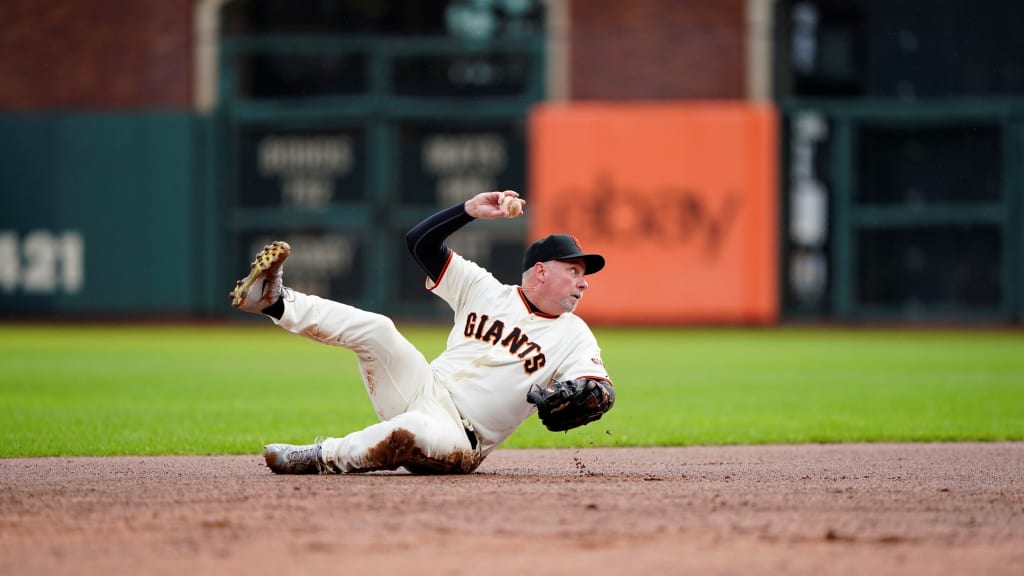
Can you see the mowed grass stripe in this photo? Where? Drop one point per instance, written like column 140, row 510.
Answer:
column 104, row 390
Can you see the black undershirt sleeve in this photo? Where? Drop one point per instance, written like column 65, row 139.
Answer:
column 426, row 239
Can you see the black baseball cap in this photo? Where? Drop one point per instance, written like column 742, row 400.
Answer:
column 561, row 247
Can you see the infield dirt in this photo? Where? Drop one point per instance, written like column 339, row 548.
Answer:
column 812, row 509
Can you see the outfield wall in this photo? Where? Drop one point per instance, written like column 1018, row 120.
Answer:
column 103, row 214
column 130, row 214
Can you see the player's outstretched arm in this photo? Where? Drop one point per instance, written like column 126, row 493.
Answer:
column 426, row 240
column 492, row 205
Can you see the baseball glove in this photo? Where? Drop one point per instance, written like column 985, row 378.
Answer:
column 572, row 403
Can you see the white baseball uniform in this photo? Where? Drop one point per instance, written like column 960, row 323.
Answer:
column 432, row 413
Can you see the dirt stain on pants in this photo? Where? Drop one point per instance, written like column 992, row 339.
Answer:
column 399, row 449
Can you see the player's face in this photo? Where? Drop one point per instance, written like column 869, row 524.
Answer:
column 566, row 282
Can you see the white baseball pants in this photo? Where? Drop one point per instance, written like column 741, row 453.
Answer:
column 420, row 427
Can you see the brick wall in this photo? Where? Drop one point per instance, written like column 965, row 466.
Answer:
column 657, row 49
column 125, row 54
column 95, row 54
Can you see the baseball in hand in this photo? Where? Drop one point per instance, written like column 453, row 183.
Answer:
column 512, row 206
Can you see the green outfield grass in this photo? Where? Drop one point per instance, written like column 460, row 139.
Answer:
column 102, row 390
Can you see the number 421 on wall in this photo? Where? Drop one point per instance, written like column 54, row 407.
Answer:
column 41, row 262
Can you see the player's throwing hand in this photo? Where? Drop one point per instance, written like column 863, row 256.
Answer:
column 491, row 205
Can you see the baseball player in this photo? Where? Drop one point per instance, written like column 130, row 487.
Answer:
column 512, row 350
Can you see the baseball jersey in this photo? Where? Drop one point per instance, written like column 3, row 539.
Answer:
column 499, row 349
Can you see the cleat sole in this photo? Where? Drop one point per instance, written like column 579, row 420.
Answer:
column 270, row 257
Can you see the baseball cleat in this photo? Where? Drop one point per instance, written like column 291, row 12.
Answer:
column 262, row 287
column 288, row 459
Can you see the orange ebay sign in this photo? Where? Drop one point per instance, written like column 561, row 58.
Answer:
column 680, row 198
